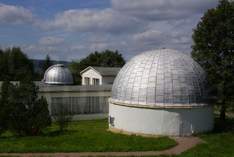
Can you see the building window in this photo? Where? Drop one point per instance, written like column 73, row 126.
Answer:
column 87, row 81
column 96, row 81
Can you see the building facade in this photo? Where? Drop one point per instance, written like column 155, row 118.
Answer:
column 99, row 75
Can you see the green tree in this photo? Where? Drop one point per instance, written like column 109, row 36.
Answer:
column 214, row 49
column 4, row 75
column 15, row 65
column 29, row 114
column 47, row 63
column 5, row 110
column 106, row 58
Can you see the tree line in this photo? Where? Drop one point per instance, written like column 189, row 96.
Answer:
column 15, row 65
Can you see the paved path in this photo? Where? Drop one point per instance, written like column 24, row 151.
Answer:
column 184, row 143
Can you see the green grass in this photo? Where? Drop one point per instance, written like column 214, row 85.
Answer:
column 82, row 136
column 219, row 143
column 216, row 145
column 92, row 136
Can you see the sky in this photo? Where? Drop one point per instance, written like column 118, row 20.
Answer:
column 71, row 29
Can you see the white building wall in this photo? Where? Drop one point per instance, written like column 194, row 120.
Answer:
column 91, row 74
column 175, row 122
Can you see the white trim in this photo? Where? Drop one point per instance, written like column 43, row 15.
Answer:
column 89, row 67
column 156, row 105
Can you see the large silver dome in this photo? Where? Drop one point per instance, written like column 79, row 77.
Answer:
column 160, row 78
column 58, row 74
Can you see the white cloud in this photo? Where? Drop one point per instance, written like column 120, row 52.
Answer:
column 87, row 20
column 149, row 35
column 49, row 40
column 162, row 9
column 15, row 14
column 130, row 26
column 40, row 51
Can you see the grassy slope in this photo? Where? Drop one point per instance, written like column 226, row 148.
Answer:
column 82, row 136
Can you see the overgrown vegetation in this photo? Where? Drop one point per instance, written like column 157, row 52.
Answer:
column 214, row 49
column 106, row 58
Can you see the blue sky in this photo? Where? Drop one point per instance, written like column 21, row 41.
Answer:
column 71, row 29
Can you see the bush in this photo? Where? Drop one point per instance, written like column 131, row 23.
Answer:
column 29, row 115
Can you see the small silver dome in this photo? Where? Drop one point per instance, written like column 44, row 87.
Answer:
column 58, row 74
column 160, row 78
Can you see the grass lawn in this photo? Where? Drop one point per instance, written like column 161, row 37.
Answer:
column 219, row 143
column 82, row 136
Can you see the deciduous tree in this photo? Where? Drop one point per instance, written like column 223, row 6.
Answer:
column 214, row 49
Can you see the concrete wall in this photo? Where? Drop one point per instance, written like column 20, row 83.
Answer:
column 176, row 122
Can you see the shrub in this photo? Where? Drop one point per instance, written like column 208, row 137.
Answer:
column 29, row 114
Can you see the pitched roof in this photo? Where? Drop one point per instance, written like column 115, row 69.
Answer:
column 104, row 71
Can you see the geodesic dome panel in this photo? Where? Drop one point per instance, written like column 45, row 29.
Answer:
column 160, row 78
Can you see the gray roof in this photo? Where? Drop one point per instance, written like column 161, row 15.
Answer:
column 58, row 74
column 160, row 78
column 104, row 71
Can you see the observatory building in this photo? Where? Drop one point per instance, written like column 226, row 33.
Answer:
column 58, row 74
column 160, row 92
column 84, row 102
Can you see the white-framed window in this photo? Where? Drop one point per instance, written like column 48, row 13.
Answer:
column 96, row 81
column 87, row 80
